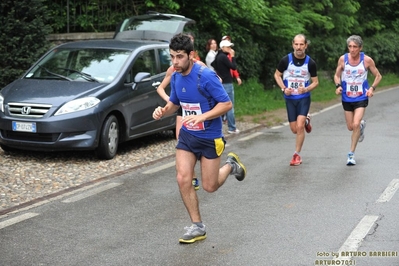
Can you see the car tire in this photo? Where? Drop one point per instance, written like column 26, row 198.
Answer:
column 109, row 139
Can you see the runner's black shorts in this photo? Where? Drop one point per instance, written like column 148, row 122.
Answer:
column 351, row 106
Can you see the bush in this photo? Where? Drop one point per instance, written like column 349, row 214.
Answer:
column 23, row 34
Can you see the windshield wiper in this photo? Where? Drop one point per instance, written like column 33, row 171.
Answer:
column 55, row 74
column 84, row 75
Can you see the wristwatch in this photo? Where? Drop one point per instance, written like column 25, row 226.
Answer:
column 337, row 85
column 374, row 88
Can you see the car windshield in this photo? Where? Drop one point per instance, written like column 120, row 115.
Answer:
column 91, row 65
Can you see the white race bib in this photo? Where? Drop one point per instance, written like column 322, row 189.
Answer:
column 295, row 83
column 192, row 109
column 354, row 89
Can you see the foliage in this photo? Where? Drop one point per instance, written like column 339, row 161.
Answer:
column 383, row 48
column 262, row 30
column 22, row 36
column 101, row 15
column 251, row 98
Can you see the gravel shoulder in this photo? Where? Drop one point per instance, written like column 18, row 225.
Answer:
column 28, row 177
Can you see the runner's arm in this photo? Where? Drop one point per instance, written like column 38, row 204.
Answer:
column 165, row 82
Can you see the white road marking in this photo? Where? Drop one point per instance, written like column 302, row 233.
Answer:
column 354, row 240
column 389, row 191
column 280, row 126
column 17, row 219
column 160, row 168
column 91, row 192
column 254, row 135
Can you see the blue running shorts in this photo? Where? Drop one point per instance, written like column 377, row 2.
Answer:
column 296, row 107
column 209, row 148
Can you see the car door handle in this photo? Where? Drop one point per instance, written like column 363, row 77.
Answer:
column 156, row 84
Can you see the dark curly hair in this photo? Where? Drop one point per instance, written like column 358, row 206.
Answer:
column 181, row 42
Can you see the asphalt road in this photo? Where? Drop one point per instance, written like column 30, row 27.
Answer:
column 319, row 213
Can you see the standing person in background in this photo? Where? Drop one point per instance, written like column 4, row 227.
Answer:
column 222, row 66
column 212, row 49
column 203, row 99
column 351, row 81
column 296, row 75
column 234, row 72
column 195, row 55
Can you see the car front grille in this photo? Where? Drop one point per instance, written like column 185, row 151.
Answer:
column 28, row 110
column 26, row 136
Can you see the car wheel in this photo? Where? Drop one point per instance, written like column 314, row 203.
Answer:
column 109, row 139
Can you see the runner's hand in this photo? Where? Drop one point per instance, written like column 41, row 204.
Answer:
column 369, row 93
column 158, row 113
column 338, row 91
column 193, row 120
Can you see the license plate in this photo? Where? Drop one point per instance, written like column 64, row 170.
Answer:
column 24, row 127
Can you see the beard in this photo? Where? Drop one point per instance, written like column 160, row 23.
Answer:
column 184, row 68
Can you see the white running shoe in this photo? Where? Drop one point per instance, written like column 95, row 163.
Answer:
column 236, row 131
column 351, row 159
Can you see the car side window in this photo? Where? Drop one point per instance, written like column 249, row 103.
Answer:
column 165, row 59
column 145, row 62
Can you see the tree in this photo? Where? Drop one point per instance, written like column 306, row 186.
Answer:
column 23, row 34
column 262, row 30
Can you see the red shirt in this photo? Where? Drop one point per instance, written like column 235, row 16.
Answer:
column 234, row 72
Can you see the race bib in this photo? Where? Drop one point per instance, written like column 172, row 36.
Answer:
column 192, row 109
column 295, row 83
column 354, row 89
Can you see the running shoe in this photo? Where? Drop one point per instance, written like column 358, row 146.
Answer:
column 296, row 160
column 235, row 131
column 362, row 127
column 238, row 169
column 193, row 233
column 351, row 159
column 308, row 126
column 196, row 183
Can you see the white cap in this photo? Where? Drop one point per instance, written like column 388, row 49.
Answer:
column 225, row 43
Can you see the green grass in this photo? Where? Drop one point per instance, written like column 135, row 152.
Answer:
column 252, row 99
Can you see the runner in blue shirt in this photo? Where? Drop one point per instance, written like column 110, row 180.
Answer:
column 351, row 82
column 203, row 100
column 296, row 75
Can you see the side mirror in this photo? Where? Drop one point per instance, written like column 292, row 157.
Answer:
column 141, row 77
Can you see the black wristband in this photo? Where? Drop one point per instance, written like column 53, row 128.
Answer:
column 337, row 85
column 374, row 88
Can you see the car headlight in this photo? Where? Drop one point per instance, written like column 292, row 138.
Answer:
column 78, row 105
column 1, row 103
